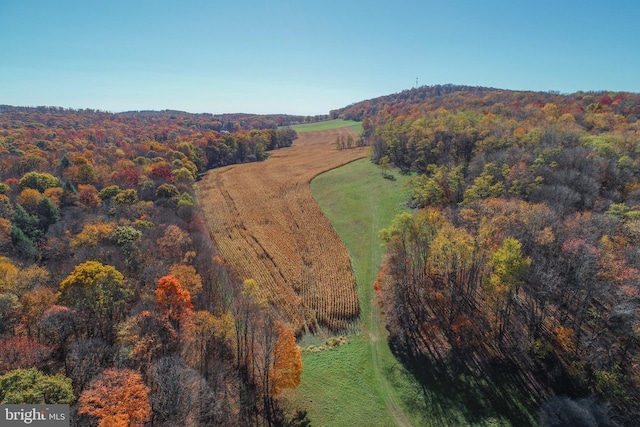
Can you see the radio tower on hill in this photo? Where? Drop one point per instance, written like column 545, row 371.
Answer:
column 416, row 82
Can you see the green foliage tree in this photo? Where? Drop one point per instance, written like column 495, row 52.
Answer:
column 33, row 387
column 183, row 175
column 86, row 174
column 39, row 181
column 442, row 186
column 23, row 244
column 488, row 184
column 383, row 164
column 8, row 305
column 186, row 200
column 6, row 208
column 27, row 223
column 167, row 191
column 65, row 162
column 125, row 237
column 126, row 197
column 48, row 213
column 109, row 192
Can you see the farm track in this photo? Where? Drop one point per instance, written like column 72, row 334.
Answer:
column 268, row 227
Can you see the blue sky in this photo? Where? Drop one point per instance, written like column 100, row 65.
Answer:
column 302, row 56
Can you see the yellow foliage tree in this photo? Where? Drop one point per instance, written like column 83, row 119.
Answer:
column 509, row 268
column 564, row 338
column 30, row 278
column 92, row 233
column 188, row 278
column 98, row 290
column 5, row 231
column 54, row 194
column 29, row 199
column 8, row 274
column 204, row 330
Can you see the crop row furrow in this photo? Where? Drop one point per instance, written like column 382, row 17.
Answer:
column 269, row 228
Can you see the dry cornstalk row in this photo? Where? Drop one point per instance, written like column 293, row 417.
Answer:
column 269, row 228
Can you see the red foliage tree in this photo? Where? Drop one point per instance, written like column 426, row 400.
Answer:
column 161, row 173
column 128, row 178
column 22, row 353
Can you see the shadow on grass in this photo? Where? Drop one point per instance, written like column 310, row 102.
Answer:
column 459, row 391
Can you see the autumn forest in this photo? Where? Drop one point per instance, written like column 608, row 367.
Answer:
column 520, row 258
column 113, row 297
column 516, row 261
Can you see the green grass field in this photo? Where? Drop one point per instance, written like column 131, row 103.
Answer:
column 329, row 124
column 362, row 383
column 359, row 383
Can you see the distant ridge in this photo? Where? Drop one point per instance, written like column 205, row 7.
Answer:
column 225, row 121
column 448, row 96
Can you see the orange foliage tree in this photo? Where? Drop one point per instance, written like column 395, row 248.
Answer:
column 287, row 365
column 117, row 398
column 173, row 300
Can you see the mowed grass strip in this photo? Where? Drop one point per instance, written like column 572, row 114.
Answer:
column 329, row 124
column 360, row 383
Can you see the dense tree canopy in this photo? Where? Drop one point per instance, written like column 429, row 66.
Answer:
column 520, row 254
column 98, row 211
column 522, row 247
column 32, row 386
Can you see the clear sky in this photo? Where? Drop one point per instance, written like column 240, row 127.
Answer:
column 304, row 56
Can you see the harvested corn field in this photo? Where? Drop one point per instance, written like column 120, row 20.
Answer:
column 267, row 226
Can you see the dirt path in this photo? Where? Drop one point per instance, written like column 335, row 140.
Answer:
column 267, row 226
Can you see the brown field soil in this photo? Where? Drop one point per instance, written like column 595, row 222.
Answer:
column 268, row 227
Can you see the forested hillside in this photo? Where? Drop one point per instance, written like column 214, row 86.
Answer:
column 112, row 296
column 521, row 261
column 517, row 271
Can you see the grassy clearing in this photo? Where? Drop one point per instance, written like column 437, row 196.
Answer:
column 339, row 387
column 329, row 124
column 362, row 383
column 359, row 383
column 359, row 202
